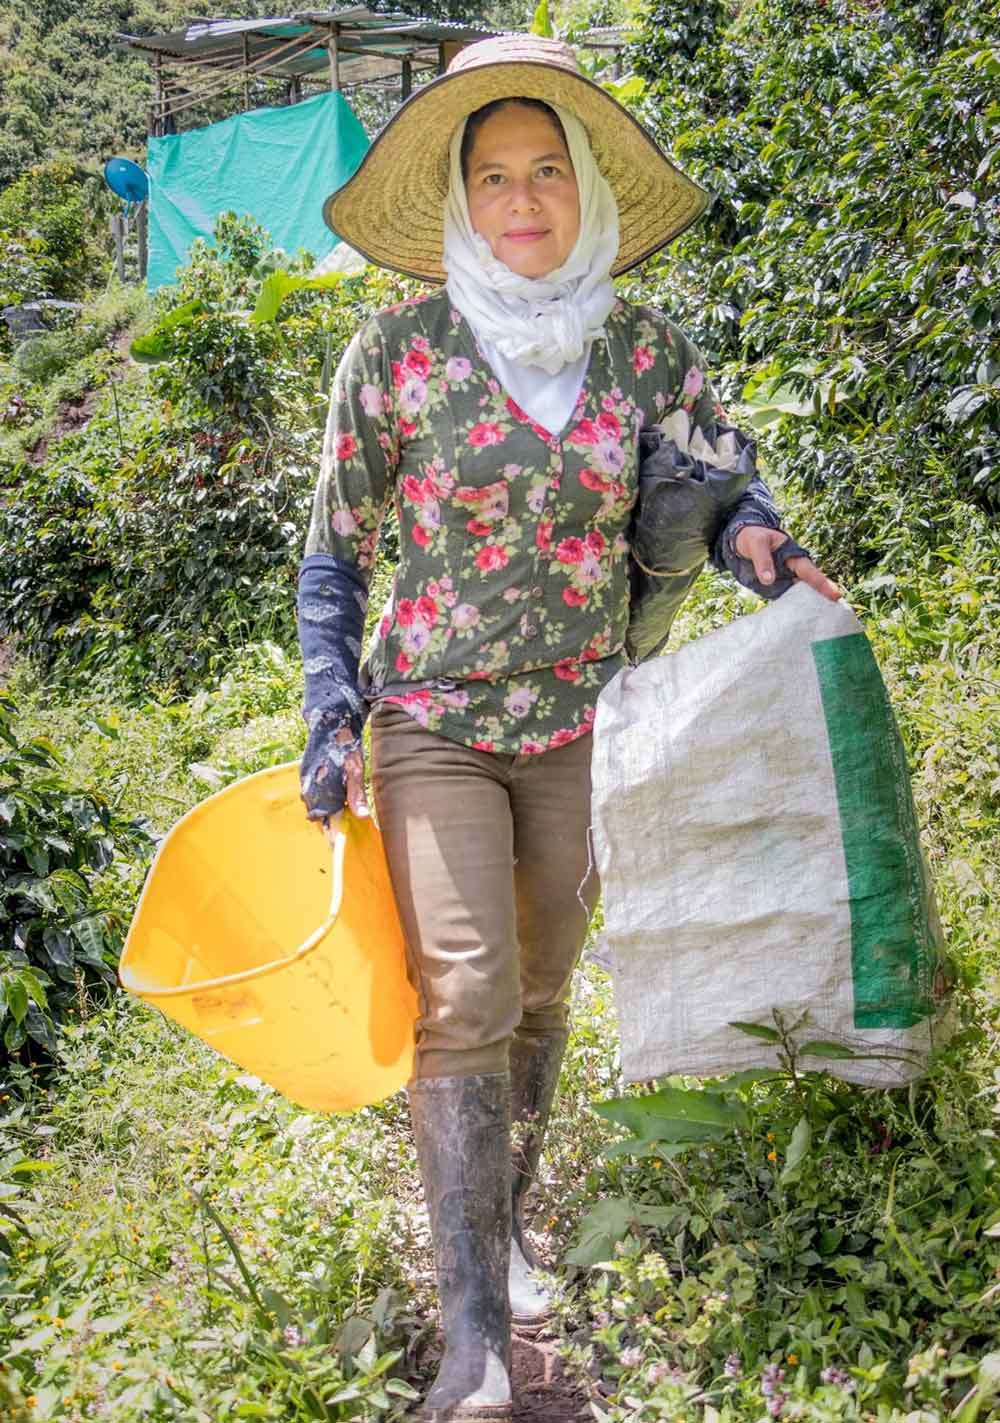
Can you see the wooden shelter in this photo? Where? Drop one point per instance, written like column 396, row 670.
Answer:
column 335, row 49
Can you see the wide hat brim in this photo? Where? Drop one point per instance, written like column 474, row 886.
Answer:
column 392, row 209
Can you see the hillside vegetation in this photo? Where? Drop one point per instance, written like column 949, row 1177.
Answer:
column 178, row 1243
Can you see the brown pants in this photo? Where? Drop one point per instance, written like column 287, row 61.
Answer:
column 489, row 861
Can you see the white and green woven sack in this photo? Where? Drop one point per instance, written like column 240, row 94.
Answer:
column 757, row 844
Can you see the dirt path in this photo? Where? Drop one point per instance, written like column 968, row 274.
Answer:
column 542, row 1389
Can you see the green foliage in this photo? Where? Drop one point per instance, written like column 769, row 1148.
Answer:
column 70, row 90
column 48, row 233
column 171, row 527
column 541, row 23
column 795, row 1259
column 850, row 258
column 59, row 935
column 184, row 1202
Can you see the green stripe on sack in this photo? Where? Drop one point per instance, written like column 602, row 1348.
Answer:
column 893, row 948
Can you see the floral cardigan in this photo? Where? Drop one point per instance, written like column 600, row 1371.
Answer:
column 510, row 600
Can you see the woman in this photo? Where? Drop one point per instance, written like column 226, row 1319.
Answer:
column 500, row 415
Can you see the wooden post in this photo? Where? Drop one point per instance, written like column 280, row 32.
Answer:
column 142, row 237
column 406, row 80
column 334, row 53
column 158, row 99
column 246, row 75
column 118, row 238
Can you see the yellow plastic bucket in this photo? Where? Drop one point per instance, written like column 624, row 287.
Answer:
column 288, row 964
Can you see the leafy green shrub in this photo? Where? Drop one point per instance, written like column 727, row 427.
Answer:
column 59, row 931
column 186, row 1201
column 784, row 1246
column 171, row 528
column 849, row 260
column 48, row 234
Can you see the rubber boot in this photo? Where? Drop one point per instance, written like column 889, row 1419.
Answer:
column 462, row 1130
column 534, row 1075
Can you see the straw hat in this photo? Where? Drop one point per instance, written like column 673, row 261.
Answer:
column 392, row 209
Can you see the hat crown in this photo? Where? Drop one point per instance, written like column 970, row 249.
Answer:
column 516, row 49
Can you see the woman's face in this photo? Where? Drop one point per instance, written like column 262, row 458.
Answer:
column 522, row 191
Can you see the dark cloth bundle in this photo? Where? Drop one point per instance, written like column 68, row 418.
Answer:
column 697, row 489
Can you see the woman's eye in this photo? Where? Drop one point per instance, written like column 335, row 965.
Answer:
column 493, row 180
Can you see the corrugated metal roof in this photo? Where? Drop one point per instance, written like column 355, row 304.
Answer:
column 370, row 45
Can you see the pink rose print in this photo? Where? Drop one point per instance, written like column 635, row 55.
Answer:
column 588, row 570
column 609, row 456
column 485, row 433
column 421, row 536
column 562, row 737
column 490, row 557
column 567, row 670
column 344, row 523
column 428, row 519
column 412, row 395
column 458, row 369
column 416, row 637
column 407, row 428
column 345, row 446
column 536, row 498
column 586, row 433
column 466, row 615
column 482, row 745
column 693, row 381
column 570, row 551
column 543, row 535
column 365, row 548
column 573, row 598
column 642, row 359
column 417, row 363
column 610, row 424
column 427, row 609
column 490, row 506
column 404, row 612
column 596, row 541
column 403, row 663
column 530, row 748
column 384, row 628
column 371, row 401
column 591, row 479
column 520, row 700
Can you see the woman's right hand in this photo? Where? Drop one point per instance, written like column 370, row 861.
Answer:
column 357, row 801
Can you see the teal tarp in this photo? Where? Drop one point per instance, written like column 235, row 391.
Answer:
column 277, row 165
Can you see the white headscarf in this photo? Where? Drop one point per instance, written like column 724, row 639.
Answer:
column 548, row 322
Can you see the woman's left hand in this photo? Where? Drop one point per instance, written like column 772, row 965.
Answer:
column 758, row 544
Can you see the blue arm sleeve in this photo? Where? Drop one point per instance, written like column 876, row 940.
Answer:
column 331, row 615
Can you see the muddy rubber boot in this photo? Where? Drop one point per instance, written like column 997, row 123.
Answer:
column 534, row 1074
column 462, row 1130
